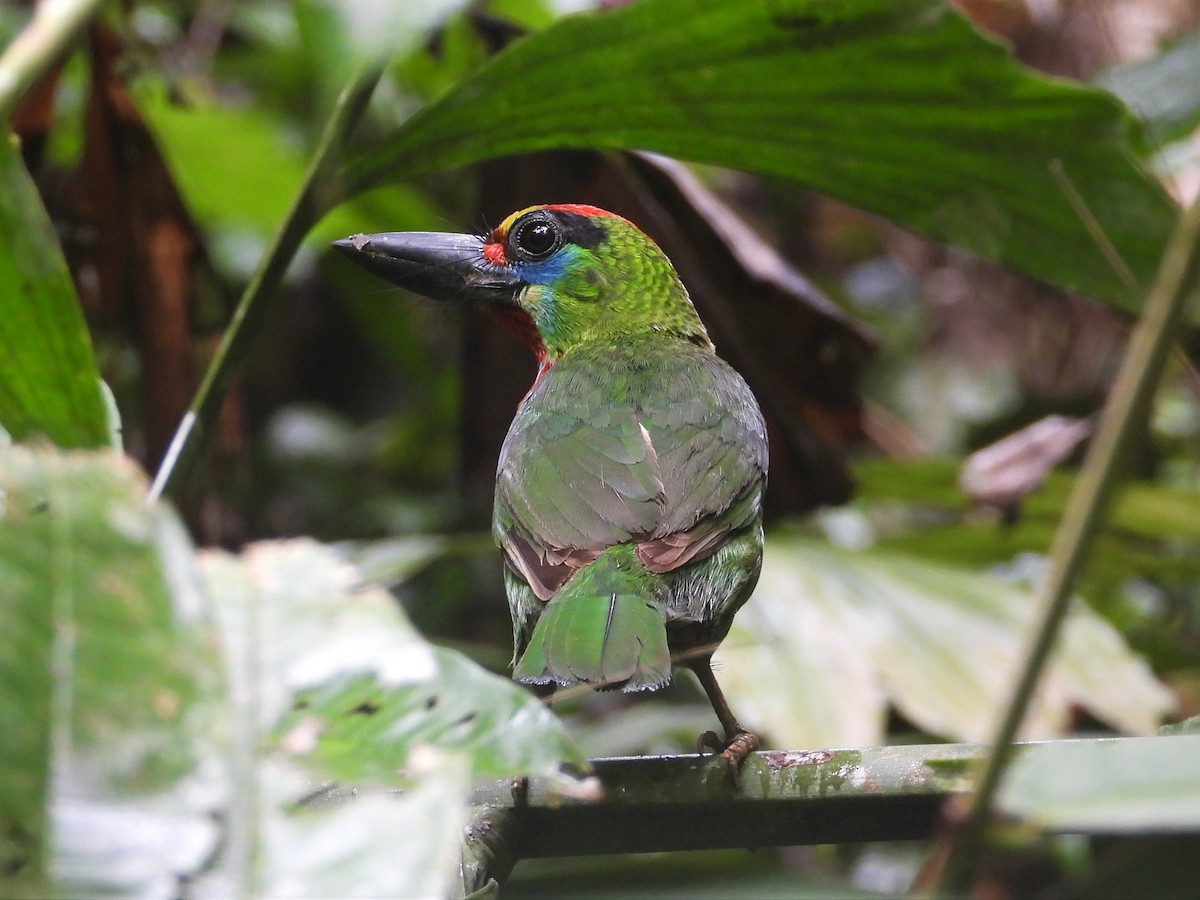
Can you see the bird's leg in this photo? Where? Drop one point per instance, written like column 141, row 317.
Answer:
column 739, row 742
column 520, row 784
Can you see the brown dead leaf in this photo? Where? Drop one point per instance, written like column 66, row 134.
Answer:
column 1002, row 474
column 140, row 265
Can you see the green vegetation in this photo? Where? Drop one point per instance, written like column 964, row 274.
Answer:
column 311, row 709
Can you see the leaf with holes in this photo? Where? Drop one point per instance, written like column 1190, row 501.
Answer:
column 340, row 678
column 311, row 655
column 364, row 731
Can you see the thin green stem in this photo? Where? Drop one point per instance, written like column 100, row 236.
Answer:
column 1094, row 228
column 1140, row 372
column 319, row 193
column 39, row 45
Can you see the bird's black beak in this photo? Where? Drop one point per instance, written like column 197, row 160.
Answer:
column 438, row 265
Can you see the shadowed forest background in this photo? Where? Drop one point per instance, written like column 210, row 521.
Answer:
column 924, row 255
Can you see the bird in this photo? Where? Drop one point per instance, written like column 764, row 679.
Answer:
column 629, row 488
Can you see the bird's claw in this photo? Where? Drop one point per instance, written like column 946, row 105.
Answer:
column 735, row 750
column 710, row 742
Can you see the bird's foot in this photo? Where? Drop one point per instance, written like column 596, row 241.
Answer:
column 735, row 750
column 710, row 742
column 519, row 787
column 739, row 747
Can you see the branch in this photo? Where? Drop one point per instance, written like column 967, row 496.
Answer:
column 668, row 803
column 781, row 798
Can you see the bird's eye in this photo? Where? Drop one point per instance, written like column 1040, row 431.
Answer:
column 535, row 239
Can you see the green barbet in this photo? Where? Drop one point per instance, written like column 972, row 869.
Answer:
column 629, row 490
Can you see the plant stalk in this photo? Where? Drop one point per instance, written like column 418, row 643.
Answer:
column 39, row 45
column 319, row 193
column 1140, row 372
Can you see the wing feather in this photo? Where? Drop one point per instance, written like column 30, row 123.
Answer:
column 661, row 444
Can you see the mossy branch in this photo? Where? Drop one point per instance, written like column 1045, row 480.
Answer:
column 780, row 798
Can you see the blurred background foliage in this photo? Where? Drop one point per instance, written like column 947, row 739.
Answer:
column 168, row 148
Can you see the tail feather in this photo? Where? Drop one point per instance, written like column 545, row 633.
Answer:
column 604, row 627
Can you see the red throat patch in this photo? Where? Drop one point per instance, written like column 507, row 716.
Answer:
column 520, row 325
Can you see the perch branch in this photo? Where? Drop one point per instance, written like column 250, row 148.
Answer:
column 781, row 798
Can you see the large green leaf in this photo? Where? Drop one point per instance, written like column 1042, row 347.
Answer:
column 1122, row 785
column 332, row 680
column 338, row 675
column 105, row 683
column 896, row 106
column 126, row 769
column 1152, row 530
column 839, row 634
column 248, row 187
column 49, row 383
column 1161, row 90
column 356, row 843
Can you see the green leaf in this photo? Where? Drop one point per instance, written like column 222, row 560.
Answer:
column 330, row 679
column 925, row 482
column 1139, row 513
column 345, row 33
column 49, row 383
column 840, row 634
column 338, row 675
column 1187, row 726
column 1118, row 786
column 895, row 106
column 106, row 680
column 393, row 561
column 370, row 733
column 249, row 186
column 1161, row 90
column 125, row 769
column 360, row 843
column 1145, row 510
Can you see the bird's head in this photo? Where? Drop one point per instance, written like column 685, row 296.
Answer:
column 561, row 276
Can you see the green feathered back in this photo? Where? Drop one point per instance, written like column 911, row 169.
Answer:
column 629, row 508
